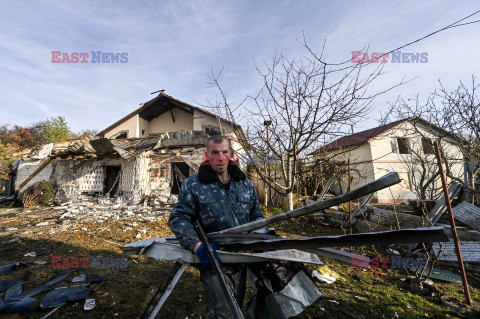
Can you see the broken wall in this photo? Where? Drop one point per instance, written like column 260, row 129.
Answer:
column 27, row 167
column 160, row 173
column 72, row 178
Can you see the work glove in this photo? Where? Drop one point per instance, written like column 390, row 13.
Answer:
column 202, row 254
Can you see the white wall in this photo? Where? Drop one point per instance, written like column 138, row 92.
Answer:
column 26, row 168
column 130, row 125
column 164, row 123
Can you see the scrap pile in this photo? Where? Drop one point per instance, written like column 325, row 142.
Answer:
column 290, row 297
column 368, row 218
column 57, row 291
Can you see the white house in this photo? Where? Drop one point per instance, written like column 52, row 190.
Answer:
column 405, row 147
column 164, row 114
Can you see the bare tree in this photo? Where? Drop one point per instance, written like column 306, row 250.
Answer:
column 457, row 112
column 308, row 102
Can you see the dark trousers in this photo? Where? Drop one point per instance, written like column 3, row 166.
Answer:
column 217, row 304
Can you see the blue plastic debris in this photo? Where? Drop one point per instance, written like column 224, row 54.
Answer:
column 44, row 287
column 5, row 270
column 2, row 304
column 79, row 278
column 13, row 291
column 4, row 285
column 94, row 279
column 60, row 296
column 21, row 304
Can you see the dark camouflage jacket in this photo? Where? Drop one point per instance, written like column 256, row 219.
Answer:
column 203, row 195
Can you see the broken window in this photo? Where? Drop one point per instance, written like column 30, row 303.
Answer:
column 112, row 180
column 180, row 171
column 400, row 145
column 123, row 134
column 427, row 145
column 211, row 130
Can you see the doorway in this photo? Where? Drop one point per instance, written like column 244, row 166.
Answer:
column 180, row 171
column 112, row 180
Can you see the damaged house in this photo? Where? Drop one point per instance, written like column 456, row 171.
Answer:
column 143, row 156
column 405, row 147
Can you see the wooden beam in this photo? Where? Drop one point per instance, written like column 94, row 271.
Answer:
column 34, row 174
column 164, row 291
column 381, row 183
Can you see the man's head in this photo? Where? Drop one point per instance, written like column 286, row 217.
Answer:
column 218, row 153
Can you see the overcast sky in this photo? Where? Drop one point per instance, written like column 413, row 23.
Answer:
column 172, row 45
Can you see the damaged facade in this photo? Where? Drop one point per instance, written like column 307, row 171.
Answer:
column 121, row 164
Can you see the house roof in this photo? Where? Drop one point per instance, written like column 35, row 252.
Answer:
column 160, row 104
column 360, row 137
column 369, row 135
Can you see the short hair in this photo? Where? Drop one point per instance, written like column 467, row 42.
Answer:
column 217, row 139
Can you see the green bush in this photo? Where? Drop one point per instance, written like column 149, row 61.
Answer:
column 41, row 192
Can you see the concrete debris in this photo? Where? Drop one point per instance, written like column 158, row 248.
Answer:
column 136, row 170
column 89, row 304
column 42, row 224
column 324, row 274
column 15, row 240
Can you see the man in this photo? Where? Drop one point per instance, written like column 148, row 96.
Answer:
column 220, row 196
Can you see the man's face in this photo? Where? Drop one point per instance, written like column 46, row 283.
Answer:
column 219, row 155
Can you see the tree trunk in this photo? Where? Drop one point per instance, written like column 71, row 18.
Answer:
column 290, row 201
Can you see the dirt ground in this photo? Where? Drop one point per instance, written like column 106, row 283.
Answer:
column 357, row 293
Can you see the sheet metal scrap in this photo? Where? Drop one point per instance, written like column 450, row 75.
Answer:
column 299, row 293
column 159, row 249
column 403, row 236
column 60, row 296
column 282, row 248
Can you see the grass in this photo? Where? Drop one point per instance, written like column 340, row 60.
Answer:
column 360, row 293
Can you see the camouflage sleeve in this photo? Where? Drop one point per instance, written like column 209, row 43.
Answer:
column 255, row 211
column 181, row 218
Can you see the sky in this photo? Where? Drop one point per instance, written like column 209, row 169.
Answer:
column 173, row 45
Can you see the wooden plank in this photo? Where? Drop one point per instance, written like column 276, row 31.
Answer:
column 362, row 207
column 164, row 291
column 381, row 183
column 325, row 189
column 441, row 208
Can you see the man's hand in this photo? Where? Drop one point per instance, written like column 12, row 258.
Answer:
column 202, row 254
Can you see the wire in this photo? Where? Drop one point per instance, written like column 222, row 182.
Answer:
column 450, row 26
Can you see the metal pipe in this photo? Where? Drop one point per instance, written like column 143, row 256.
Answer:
column 452, row 224
column 349, row 190
column 227, row 291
